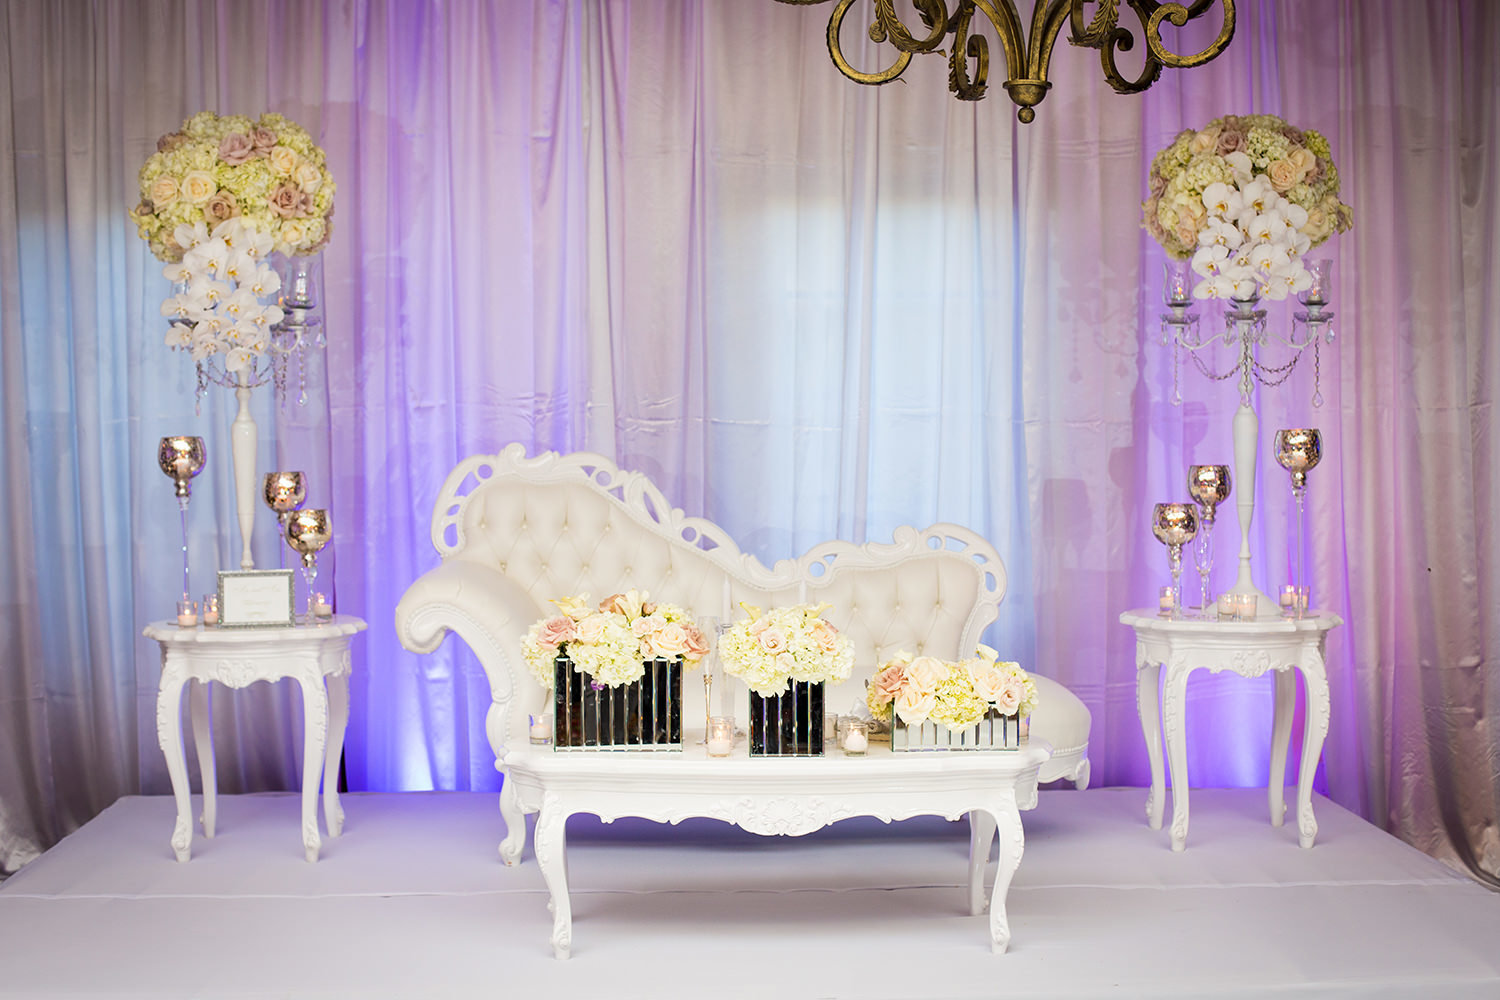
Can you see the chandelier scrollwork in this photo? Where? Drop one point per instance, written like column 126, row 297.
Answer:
column 1026, row 60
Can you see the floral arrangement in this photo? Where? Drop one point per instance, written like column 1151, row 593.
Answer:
column 218, row 197
column 268, row 173
column 1245, row 198
column 953, row 694
column 610, row 644
column 771, row 649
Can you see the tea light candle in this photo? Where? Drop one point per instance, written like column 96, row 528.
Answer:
column 187, row 614
column 1226, row 605
column 321, row 607
column 541, row 729
column 720, row 736
column 210, row 609
column 855, row 740
column 1168, row 601
column 1288, row 596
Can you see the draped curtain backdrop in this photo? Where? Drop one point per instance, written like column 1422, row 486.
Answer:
column 672, row 233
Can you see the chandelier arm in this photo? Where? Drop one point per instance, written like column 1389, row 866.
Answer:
column 1180, row 15
column 835, row 21
column 966, row 47
column 888, row 25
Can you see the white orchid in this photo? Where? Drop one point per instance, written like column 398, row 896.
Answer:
column 1222, row 201
column 179, row 336
column 1218, row 232
column 1210, row 260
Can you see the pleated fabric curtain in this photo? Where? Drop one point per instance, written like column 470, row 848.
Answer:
column 674, row 234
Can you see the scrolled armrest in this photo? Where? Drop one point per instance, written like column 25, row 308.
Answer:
column 487, row 610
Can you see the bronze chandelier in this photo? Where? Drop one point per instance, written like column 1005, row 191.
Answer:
column 1025, row 59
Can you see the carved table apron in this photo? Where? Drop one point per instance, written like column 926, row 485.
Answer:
column 1250, row 649
column 316, row 656
column 772, row 797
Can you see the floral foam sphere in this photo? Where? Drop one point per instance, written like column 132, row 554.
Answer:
column 1245, row 198
column 267, row 172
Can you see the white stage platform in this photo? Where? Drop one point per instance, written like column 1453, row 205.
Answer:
column 412, row 901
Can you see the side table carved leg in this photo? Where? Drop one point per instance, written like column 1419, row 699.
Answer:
column 1281, row 735
column 338, row 724
column 314, row 737
column 169, row 737
column 551, row 856
column 1007, row 818
column 515, row 824
column 1174, row 700
column 981, row 835
column 1148, row 706
column 1314, row 731
column 200, row 709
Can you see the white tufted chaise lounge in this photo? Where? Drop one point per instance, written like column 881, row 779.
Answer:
column 515, row 532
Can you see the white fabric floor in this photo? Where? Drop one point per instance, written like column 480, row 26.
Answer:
column 413, row 902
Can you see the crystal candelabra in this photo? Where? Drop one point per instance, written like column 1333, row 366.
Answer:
column 1246, row 334
column 1298, row 450
column 181, row 458
column 1208, row 485
column 1174, row 524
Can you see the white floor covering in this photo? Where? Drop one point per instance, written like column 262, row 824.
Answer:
column 412, row 901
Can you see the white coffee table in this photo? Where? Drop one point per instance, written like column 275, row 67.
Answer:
column 316, row 656
column 1248, row 648
column 771, row 797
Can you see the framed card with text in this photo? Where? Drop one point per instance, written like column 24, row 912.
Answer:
column 256, row 598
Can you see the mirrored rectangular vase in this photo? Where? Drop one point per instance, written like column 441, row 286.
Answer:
column 643, row 715
column 789, row 724
column 993, row 732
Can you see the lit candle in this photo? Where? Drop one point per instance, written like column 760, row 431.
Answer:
column 1288, row 596
column 855, row 741
column 1168, row 600
column 541, row 729
column 321, row 607
column 210, row 609
column 720, row 736
column 187, row 614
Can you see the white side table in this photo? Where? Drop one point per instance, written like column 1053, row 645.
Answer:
column 316, row 656
column 1249, row 648
column 772, row 796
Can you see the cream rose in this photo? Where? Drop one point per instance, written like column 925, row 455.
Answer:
column 164, row 190
column 925, row 673
column 283, row 160
column 307, row 176
column 198, row 186
column 1204, row 142
column 825, row 635
column 1012, row 692
column 772, row 639
column 989, row 683
column 293, row 233
column 1282, row 174
column 914, row 706
column 591, row 629
column 670, row 640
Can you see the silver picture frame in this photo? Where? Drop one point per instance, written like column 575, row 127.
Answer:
column 256, row 598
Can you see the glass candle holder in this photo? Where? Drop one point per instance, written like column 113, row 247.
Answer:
column 187, row 613
column 1294, row 600
column 856, row 738
column 1166, row 603
column 210, row 609
column 720, row 736
column 541, row 730
column 322, row 610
